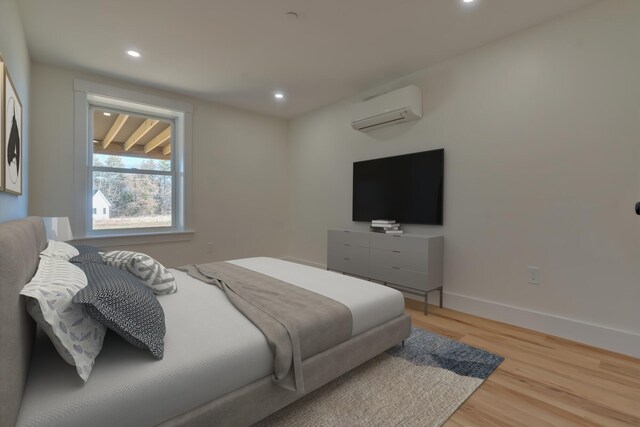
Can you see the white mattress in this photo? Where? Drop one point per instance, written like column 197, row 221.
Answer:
column 370, row 304
column 211, row 349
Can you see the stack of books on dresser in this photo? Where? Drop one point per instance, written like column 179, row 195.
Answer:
column 386, row 226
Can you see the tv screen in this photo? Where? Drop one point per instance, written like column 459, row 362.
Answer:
column 405, row 188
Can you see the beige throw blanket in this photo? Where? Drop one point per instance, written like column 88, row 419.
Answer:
column 296, row 322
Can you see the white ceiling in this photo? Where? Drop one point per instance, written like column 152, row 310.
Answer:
column 239, row 52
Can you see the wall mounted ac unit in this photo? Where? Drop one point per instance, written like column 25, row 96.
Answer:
column 399, row 106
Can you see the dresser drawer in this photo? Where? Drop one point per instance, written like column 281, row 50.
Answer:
column 349, row 259
column 404, row 260
column 400, row 243
column 348, row 238
column 398, row 276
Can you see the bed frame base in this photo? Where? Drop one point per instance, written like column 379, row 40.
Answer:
column 262, row 398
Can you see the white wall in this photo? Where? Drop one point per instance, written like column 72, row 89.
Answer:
column 240, row 171
column 13, row 47
column 542, row 149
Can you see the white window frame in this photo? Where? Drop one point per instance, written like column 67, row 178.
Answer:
column 88, row 95
column 175, row 190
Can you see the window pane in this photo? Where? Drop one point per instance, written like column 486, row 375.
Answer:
column 126, row 140
column 130, row 200
column 131, row 162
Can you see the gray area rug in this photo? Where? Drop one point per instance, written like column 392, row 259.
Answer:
column 420, row 384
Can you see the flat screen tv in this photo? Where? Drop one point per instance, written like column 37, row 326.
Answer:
column 405, row 188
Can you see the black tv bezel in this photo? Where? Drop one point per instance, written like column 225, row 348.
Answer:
column 440, row 197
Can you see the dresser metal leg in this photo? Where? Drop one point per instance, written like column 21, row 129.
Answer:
column 425, row 304
column 440, row 291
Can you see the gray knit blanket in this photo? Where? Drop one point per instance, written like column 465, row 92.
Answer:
column 297, row 323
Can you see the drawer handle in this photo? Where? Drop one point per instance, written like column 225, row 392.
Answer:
column 396, row 252
column 396, row 268
column 347, row 259
column 346, row 244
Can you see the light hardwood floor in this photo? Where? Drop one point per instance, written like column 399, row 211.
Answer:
column 543, row 381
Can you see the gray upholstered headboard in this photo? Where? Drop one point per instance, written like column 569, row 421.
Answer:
column 20, row 245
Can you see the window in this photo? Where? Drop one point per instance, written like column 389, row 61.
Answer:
column 132, row 177
column 131, row 171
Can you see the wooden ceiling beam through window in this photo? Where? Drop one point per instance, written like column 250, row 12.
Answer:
column 115, row 128
column 166, row 150
column 158, row 140
column 144, row 128
column 117, row 149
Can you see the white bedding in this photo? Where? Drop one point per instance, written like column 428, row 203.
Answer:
column 211, row 349
column 370, row 304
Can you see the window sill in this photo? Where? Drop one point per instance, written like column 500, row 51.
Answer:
column 139, row 238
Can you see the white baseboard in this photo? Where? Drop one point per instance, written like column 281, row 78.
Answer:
column 617, row 340
column 620, row 341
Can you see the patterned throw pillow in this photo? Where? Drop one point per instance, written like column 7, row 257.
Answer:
column 125, row 305
column 87, row 253
column 76, row 336
column 59, row 250
column 145, row 268
column 87, row 249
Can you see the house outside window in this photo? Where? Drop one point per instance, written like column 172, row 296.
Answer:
column 101, row 204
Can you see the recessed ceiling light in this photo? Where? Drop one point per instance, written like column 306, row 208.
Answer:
column 106, row 114
column 278, row 95
column 136, row 54
column 468, row 1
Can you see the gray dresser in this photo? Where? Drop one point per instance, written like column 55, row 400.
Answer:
column 409, row 262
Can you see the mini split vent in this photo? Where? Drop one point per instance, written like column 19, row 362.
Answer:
column 400, row 106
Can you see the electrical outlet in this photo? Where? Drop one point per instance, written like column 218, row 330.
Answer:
column 209, row 248
column 534, row 275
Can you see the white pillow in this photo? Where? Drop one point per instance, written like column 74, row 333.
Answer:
column 142, row 266
column 59, row 250
column 76, row 336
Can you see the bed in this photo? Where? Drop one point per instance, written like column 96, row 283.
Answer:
column 217, row 365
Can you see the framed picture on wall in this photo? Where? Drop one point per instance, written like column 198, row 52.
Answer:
column 12, row 137
column 1, row 123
